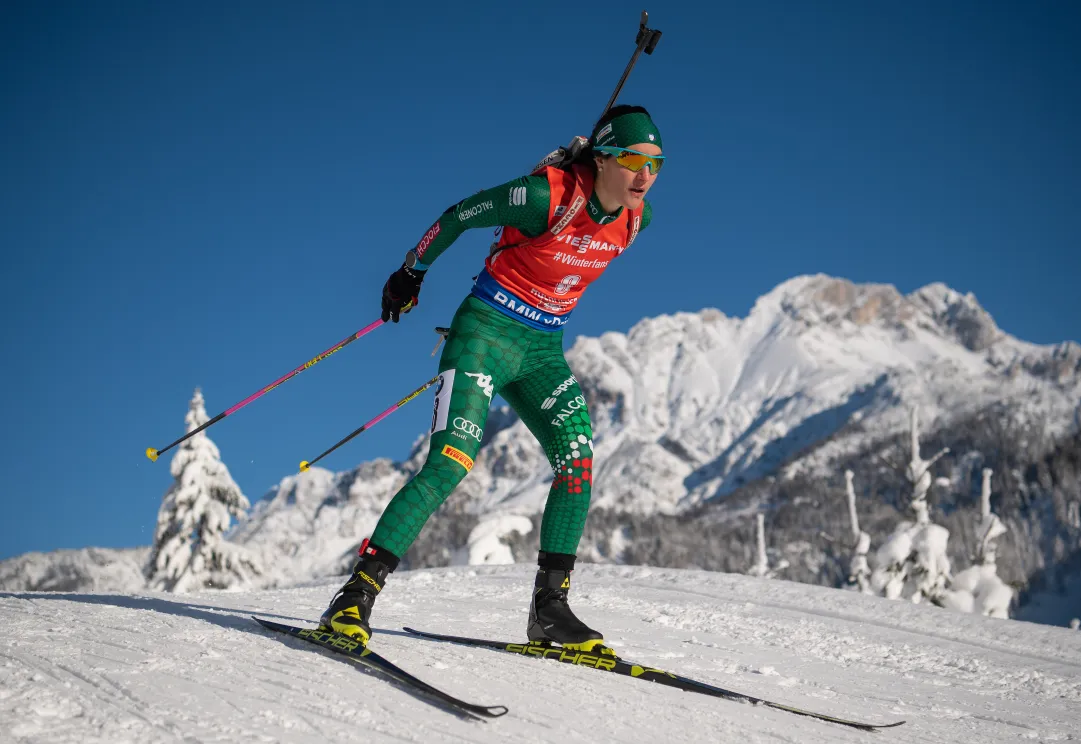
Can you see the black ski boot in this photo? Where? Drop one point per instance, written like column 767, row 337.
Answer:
column 550, row 616
column 351, row 608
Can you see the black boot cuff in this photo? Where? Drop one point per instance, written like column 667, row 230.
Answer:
column 556, row 561
column 384, row 556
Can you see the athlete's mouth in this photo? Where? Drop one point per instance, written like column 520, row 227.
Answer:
column 637, row 191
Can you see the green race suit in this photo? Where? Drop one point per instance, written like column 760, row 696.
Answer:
column 487, row 354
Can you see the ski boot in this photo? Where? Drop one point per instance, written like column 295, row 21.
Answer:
column 550, row 617
column 351, row 608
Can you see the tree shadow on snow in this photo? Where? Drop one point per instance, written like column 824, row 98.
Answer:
column 233, row 619
column 225, row 617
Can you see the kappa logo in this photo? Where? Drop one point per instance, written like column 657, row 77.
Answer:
column 517, row 196
column 468, row 428
column 484, row 382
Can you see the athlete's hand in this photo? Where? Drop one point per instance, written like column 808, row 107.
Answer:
column 400, row 292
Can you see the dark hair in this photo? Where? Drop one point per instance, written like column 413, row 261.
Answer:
column 585, row 157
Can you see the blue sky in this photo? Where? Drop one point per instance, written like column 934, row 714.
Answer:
column 212, row 193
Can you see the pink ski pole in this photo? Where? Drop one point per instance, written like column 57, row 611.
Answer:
column 304, row 465
column 154, row 453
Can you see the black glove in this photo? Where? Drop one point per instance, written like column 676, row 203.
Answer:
column 400, row 292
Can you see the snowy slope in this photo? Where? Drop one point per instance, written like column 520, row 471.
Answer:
column 71, row 670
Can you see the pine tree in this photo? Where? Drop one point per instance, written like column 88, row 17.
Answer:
column 189, row 551
column 912, row 563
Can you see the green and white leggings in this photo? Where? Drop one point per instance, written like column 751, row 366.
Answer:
column 488, row 353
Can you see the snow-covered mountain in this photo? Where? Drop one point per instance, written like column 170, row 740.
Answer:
column 148, row 667
column 688, row 407
column 86, row 569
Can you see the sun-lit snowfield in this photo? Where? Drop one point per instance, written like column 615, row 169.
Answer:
column 150, row 668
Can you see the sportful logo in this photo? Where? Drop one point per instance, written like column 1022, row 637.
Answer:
column 426, row 241
column 517, row 196
column 468, row 427
column 465, row 214
column 484, row 382
column 563, row 387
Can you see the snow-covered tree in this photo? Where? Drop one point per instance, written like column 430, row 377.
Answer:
column 189, row 550
column 761, row 566
column 978, row 588
column 990, row 527
column 1075, row 624
column 912, row 563
column 859, row 573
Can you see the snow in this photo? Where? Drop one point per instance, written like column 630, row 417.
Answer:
column 196, row 668
column 485, row 547
column 979, row 589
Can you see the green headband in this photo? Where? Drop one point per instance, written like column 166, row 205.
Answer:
column 628, row 129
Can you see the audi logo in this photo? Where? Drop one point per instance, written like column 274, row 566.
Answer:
column 468, row 427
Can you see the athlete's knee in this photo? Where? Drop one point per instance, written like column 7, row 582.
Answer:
column 444, row 469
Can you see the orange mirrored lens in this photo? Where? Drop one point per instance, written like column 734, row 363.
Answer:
column 634, row 161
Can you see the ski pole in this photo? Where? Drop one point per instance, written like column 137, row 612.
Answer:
column 154, row 453
column 647, row 41
column 304, row 464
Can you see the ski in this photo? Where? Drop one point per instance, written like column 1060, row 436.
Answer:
column 365, row 657
column 625, row 668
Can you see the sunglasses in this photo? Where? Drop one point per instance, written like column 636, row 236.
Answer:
column 633, row 160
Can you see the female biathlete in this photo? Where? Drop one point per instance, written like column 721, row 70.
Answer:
column 561, row 229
